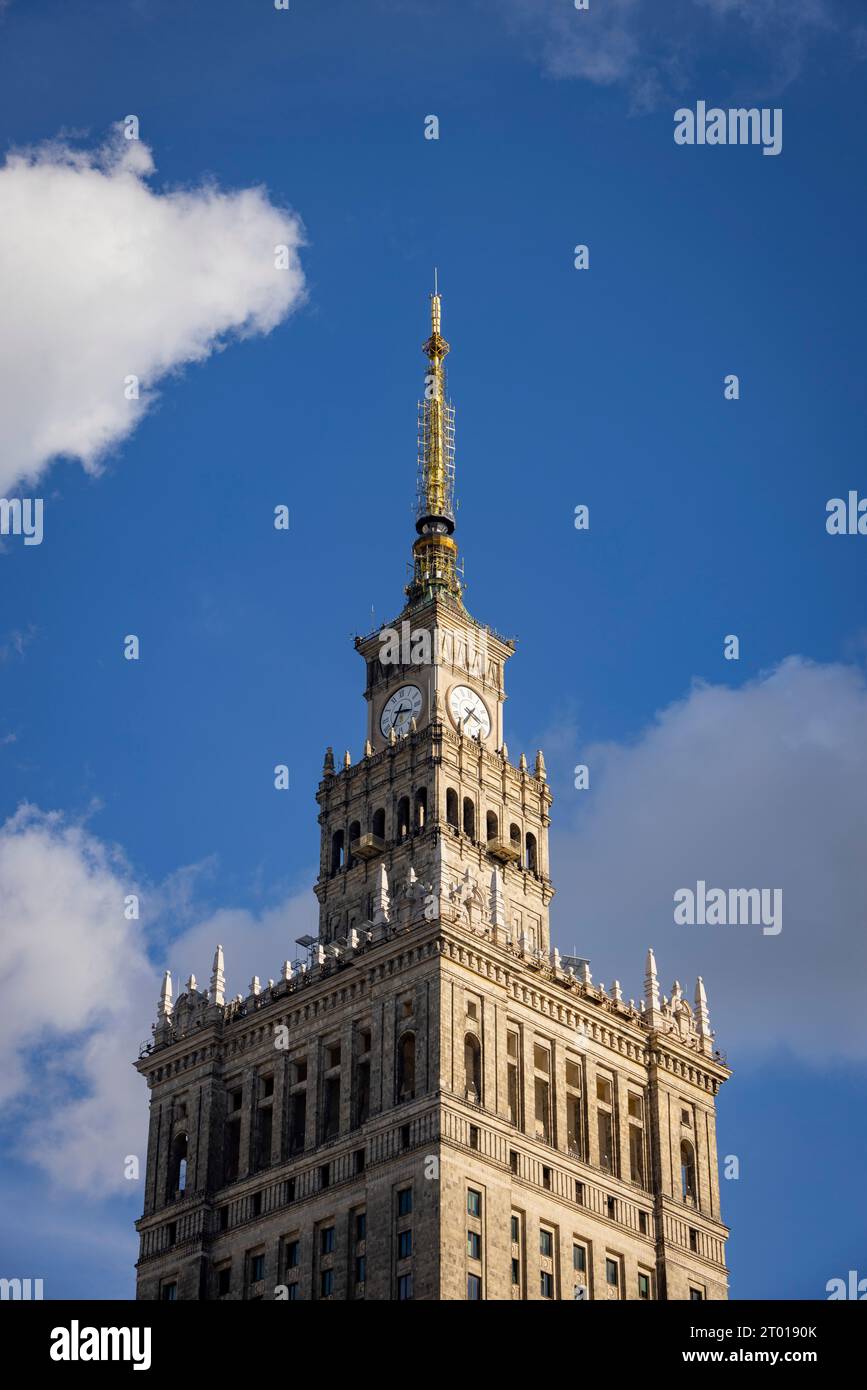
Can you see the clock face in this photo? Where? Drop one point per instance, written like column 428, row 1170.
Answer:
column 401, row 707
column 466, row 705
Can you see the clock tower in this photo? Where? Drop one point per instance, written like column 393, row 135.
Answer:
column 431, row 1103
column 436, row 801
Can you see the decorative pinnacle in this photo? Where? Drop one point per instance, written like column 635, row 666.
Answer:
column 218, row 978
column 435, row 553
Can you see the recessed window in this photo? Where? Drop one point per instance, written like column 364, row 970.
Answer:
column 361, row 1226
column 474, row 1245
column 169, row 1292
column 474, row 1287
column 292, row 1254
column 546, row 1178
column 364, row 1039
column 326, row 1283
column 686, row 1119
column 360, row 1269
column 404, row 1201
column 642, row 1223
column 300, row 1067
column 326, row 1240
column 256, row 1204
column 612, row 1273
column 406, row 1008
column 404, row 1245
column 541, row 1059
column 474, row 1136
column 643, row 1286
column 516, row 1271
column 257, row 1268
column 474, row 1202
column 603, row 1090
column 516, row 1229
column 235, row 1098
column 611, row 1208
column 224, row 1218
column 546, row 1244
column 333, row 1055
column 696, row 1296
column 579, row 1194
column 513, row 1161
column 546, row 1284
column 636, row 1108
column 224, row 1281
column 579, row 1258
column 472, row 1009
column 267, row 1086
column 693, row 1239
column 404, row 1287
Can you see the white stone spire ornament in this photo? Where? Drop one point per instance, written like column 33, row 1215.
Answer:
column 617, row 992
column 164, row 1008
column 522, row 763
column 702, row 1017
column 381, row 902
column 191, row 985
column 255, row 986
column 218, row 978
column 541, row 770
column 286, row 973
column 653, row 1015
column 368, row 748
column 347, row 760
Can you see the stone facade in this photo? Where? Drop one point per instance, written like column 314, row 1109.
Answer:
column 432, row 1104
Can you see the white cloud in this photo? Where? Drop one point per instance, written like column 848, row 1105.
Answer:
column 102, row 278
column 759, row 786
column 78, row 994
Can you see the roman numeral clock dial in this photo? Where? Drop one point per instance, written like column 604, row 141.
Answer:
column 400, row 709
column 466, row 705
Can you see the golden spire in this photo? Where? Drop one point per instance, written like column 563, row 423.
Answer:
column 435, row 554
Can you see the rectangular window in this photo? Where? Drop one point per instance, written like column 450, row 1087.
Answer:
column 169, row 1292
column 516, row 1229
column 579, row 1194
column 603, row 1090
column 362, row 1093
column 474, row 1245
column 513, row 1087
column 636, row 1154
column 696, row 1296
column 474, row 1136
column 224, row 1281
column 326, row 1283
column 360, row 1269
column 326, row 1240
column 693, row 1239
column 542, row 1110
column 474, row 1202
column 516, row 1271
column 612, row 1273
column 542, row 1059
column 361, row 1226
column 546, row 1284
column 606, row 1144
column 292, row 1254
column 642, row 1223
column 513, row 1161
column 331, row 1114
column 546, row 1243
column 579, row 1258
column 257, row 1268
column 404, row 1287
column 546, row 1178
column 404, row 1245
column 474, row 1287
column 643, row 1286
column 636, row 1107
column 404, row 1201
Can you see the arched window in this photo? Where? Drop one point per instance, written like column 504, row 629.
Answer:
column 403, row 818
column 378, row 824
column 420, row 808
column 354, row 834
column 515, row 837
column 178, row 1165
column 493, row 825
column 337, row 851
column 687, row 1171
column 452, row 807
column 406, row 1067
column 531, row 853
column 469, row 818
column 473, row 1067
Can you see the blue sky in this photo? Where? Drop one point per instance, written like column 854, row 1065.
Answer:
column 602, row 387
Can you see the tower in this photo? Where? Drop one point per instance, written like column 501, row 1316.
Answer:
column 432, row 1103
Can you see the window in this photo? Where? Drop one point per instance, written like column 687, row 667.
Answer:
column 257, row 1268
column 331, row 1107
column 579, row 1258
column 292, row 1254
column 361, row 1226
column 172, row 1232
column 474, row 1136
column 224, row 1218
column 169, row 1292
column 452, row 807
column 686, row 1119
column 611, row 1208
column 636, row 1108
column 579, row 1194
column 377, row 825
column 543, row 1109
column 612, row 1273
column 332, row 1055
column 267, row 1087
column 354, row 837
column 403, row 818
column 297, row 1121
column 256, row 1204
column 546, row 1178
column 516, row 1271
column 177, row 1166
column 224, row 1281
column 358, row 1161
column 362, row 1093
column 474, row 1202
column 636, row 1154
column 516, row 1229
column 469, row 818
column 492, row 825
column 693, row 1240
column 605, row 1137
column 603, row 1090
column 404, row 1201
column 474, row 1245
column 360, row 1269
column 514, row 1095
column 337, row 851
column 324, row 1176
column 404, row 1245
column 696, row 1296
column 300, row 1066
column 473, row 1067
column 514, row 1161
column 326, row 1283
column 326, row 1240
column 643, row 1285
column 574, row 1137
column 546, row 1244
column 404, row 1136
column 474, row 1287
column 406, row 1067
column 264, row 1132
column 687, row 1171
column 515, row 838
column 546, row 1284
column 642, row 1223
column 404, row 1287
column 420, row 813
column 531, row 859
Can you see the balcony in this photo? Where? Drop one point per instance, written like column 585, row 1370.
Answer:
column 504, row 850
column 366, row 847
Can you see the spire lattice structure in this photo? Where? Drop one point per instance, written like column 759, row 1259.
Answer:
column 435, row 553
